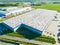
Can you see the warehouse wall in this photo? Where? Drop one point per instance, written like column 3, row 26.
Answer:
column 25, row 30
column 4, row 30
column 8, row 26
column 1, row 14
column 28, row 32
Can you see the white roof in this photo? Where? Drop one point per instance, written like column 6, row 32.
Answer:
column 16, row 10
column 38, row 19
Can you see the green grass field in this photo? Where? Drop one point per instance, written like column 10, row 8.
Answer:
column 49, row 6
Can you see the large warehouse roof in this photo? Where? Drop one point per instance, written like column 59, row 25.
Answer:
column 38, row 19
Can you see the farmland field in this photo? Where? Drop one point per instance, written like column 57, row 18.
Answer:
column 49, row 6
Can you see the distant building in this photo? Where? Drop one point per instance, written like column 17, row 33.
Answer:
column 32, row 1
column 27, row 3
column 12, row 11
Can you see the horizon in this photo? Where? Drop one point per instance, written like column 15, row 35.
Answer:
column 29, row 0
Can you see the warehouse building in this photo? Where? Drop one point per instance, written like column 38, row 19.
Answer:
column 13, row 11
column 36, row 21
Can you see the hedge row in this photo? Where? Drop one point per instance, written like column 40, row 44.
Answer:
column 46, row 39
column 14, row 41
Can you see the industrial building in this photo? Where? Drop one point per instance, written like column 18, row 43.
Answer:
column 13, row 11
column 36, row 21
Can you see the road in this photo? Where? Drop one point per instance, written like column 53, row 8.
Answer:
column 4, row 43
column 26, row 40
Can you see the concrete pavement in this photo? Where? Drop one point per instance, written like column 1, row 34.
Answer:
column 4, row 43
column 26, row 40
